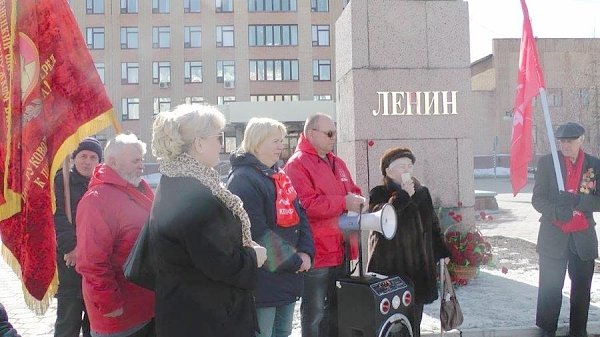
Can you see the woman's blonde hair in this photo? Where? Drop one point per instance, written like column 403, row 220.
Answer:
column 173, row 131
column 258, row 130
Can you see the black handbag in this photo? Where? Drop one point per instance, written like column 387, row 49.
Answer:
column 451, row 316
column 138, row 267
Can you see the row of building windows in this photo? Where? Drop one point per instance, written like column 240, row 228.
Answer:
column 221, row 6
column 260, row 70
column 130, row 106
column 258, row 35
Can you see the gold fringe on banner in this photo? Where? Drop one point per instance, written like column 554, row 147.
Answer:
column 35, row 305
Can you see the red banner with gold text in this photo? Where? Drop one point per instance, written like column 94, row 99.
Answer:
column 52, row 97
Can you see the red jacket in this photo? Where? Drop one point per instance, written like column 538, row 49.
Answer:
column 109, row 218
column 322, row 187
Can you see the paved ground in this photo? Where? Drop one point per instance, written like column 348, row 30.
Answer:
column 515, row 218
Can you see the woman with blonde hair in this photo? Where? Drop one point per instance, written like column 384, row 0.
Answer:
column 200, row 236
column 278, row 223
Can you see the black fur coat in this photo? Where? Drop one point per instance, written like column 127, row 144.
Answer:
column 418, row 244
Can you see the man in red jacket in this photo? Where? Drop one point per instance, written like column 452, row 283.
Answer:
column 326, row 191
column 109, row 218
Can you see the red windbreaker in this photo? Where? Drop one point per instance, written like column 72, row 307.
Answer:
column 109, row 218
column 322, row 187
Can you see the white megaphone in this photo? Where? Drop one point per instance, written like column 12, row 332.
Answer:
column 382, row 221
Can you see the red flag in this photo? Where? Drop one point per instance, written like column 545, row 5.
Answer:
column 52, row 97
column 530, row 80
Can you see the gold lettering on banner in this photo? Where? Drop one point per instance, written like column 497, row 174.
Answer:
column 419, row 103
column 5, row 56
column 33, row 174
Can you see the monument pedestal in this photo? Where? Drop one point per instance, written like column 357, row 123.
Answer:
column 403, row 79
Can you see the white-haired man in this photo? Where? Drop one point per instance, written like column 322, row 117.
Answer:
column 109, row 218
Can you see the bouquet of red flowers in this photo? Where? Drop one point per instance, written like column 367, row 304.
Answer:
column 468, row 251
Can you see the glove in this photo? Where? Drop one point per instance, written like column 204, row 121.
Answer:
column 564, row 213
column 568, row 199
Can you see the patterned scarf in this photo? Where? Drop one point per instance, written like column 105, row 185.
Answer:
column 186, row 166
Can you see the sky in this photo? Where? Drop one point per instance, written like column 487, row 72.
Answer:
column 489, row 19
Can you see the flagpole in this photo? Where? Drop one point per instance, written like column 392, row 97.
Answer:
column 550, row 131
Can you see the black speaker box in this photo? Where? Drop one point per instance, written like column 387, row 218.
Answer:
column 372, row 306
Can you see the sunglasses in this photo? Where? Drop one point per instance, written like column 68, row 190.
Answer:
column 329, row 133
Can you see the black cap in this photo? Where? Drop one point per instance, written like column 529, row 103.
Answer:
column 90, row 144
column 570, row 130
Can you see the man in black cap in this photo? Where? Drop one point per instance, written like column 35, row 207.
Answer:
column 70, row 309
column 567, row 238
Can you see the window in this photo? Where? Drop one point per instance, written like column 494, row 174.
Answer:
column 554, row 97
column 129, row 6
column 94, row 6
column 322, row 97
column 320, row 35
column 161, row 72
column 160, row 6
column 100, row 68
column 225, row 71
column 222, row 6
column 161, row 104
column 274, row 98
column 129, row 37
column 321, row 70
column 273, row 70
column 130, row 108
column 130, row 73
column 272, row 5
column 192, row 37
column 225, row 99
column 230, row 144
column 225, row 36
column 95, row 37
column 319, row 5
column 191, row 6
column 161, row 37
column 583, row 97
column 193, row 71
column 194, row 100
column 273, row 35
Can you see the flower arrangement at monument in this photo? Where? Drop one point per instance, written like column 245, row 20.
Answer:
column 468, row 249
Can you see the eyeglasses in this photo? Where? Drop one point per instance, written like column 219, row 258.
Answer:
column 218, row 135
column 329, row 133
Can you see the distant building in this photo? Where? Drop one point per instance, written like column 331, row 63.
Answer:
column 571, row 70
column 154, row 55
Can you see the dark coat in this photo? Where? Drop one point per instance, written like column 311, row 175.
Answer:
column 277, row 283
column 205, row 277
column 66, row 238
column 551, row 240
column 418, row 244
column 6, row 329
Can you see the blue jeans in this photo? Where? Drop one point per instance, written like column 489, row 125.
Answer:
column 318, row 308
column 275, row 321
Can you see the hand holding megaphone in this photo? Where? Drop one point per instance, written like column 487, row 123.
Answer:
column 354, row 202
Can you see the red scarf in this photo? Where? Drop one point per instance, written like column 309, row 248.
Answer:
column 284, row 204
column 578, row 222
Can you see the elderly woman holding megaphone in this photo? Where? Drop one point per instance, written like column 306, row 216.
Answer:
column 418, row 243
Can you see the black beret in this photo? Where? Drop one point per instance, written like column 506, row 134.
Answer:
column 570, row 130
